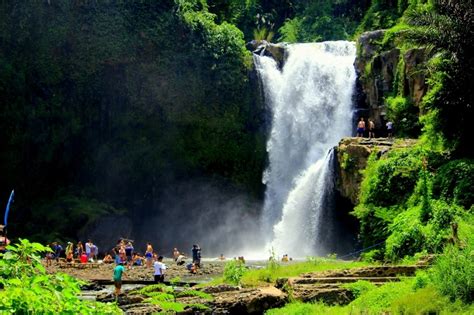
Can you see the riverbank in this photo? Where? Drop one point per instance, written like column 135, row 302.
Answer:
column 210, row 269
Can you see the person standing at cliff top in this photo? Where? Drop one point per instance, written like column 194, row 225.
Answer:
column 389, row 125
column 361, row 127
column 371, row 129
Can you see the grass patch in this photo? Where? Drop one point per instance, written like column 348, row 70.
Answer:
column 195, row 293
column 159, row 296
column 168, row 306
column 392, row 298
column 274, row 271
column 309, row 308
column 155, row 288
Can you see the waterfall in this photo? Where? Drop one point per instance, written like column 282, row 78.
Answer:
column 310, row 103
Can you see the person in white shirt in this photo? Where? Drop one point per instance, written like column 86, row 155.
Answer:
column 160, row 268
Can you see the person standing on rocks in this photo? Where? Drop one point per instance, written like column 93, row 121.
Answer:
column 79, row 249
column 129, row 252
column 69, row 252
column 118, row 273
column 149, row 254
column 196, row 250
column 160, row 268
column 371, row 129
column 389, row 125
column 57, row 248
column 88, row 249
column 361, row 127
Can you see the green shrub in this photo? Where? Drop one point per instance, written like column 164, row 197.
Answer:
column 453, row 273
column 360, row 287
column 28, row 289
column 372, row 256
column 391, row 179
column 234, row 270
column 422, row 279
column 425, row 301
column 404, row 115
column 406, row 236
column 454, row 181
column 290, row 31
column 379, row 300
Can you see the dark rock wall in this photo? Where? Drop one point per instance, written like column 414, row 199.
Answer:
column 385, row 70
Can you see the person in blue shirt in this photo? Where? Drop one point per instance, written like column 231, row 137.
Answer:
column 57, row 248
column 118, row 273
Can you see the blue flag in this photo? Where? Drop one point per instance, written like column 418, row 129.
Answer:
column 10, row 200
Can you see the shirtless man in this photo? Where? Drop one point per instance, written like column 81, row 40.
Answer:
column 361, row 127
column 371, row 129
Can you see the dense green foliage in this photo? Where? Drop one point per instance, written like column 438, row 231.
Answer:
column 106, row 103
column 412, row 199
column 447, row 28
column 28, row 289
column 420, row 295
column 407, row 200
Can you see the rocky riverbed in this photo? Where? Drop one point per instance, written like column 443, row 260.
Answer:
column 209, row 270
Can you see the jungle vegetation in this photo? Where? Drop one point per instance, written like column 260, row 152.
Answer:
column 106, row 103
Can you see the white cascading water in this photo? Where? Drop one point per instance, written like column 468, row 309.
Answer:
column 310, row 100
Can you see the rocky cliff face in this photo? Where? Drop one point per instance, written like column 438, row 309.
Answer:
column 352, row 156
column 385, row 70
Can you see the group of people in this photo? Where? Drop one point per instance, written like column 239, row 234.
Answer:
column 158, row 273
column 361, row 128
column 152, row 259
column 81, row 252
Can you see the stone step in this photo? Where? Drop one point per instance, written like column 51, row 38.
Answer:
column 331, row 295
column 372, row 271
column 307, row 280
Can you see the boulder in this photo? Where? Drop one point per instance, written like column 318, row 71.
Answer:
column 264, row 48
column 220, row 288
column 352, row 156
column 123, row 299
column 248, row 301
